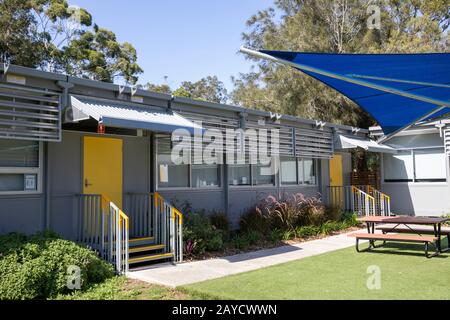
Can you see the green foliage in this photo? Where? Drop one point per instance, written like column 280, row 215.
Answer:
column 199, row 231
column 336, row 27
column 288, row 212
column 253, row 220
column 37, row 266
column 207, row 89
column 220, row 221
column 246, row 239
column 51, row 35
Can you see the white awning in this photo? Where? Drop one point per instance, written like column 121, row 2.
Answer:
column 128, row 115
column 350, row 142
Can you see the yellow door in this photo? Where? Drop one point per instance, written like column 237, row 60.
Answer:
column 103, row 168
column 336, row 170
column 336, row 181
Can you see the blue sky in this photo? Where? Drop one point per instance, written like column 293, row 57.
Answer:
column 183, row 40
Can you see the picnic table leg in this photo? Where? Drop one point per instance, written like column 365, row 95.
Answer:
column 371, row 229
column 439, row 238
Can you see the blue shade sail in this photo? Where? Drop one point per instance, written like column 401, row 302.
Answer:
column 397, row 90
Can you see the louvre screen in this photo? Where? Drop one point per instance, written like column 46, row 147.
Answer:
column 29, row 114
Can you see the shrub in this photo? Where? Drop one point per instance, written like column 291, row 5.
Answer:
column 240, row 241
column 201, row 234
column 292, row 211
column 253, row 220
column 333, row 213
column 37, row 266
column 312, row 211
column 246, row 239
column 220, row 221
column 306, row 231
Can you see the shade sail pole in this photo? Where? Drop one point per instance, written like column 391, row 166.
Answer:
column 345, row 78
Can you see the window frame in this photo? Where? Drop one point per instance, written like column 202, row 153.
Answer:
column 297, row 160
column 416, row 181
column 38, row 171
column 190, row 183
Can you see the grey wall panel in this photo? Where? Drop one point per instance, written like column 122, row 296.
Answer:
column 418, row 199
column 65, row 164
column 209, row 200
column 136, row 164
column 65, row 182
column 23, row 214
column 63, row 216
column 244, row 198
column 346, row 168
column 308, row 191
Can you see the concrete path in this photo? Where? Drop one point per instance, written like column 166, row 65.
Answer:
column 174, row 275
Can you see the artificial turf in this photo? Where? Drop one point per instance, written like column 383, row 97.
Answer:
column 405, row 273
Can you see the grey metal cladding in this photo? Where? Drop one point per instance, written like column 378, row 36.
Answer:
column 29, row 114
column 313, row 143
column 285, row 136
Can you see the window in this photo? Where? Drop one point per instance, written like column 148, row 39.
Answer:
column 239, row 174
column 204, row 176
column 19, row 166
column 398, row 167
column 307, row 171
column 288, row 170
column 263, row 175
column 430, row 165
column 171, row 175
column 417, row 165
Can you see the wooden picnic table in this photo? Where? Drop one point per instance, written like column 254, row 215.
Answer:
column 409, row 222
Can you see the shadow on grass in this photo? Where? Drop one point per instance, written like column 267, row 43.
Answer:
column 406, row 249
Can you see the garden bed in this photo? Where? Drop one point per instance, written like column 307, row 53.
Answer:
column 271, row 223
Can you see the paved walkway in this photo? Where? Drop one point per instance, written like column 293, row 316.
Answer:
column 174, row 275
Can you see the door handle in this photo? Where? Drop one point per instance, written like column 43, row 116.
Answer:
column 86, row 183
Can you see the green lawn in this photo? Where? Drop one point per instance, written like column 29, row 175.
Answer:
column 342, row 274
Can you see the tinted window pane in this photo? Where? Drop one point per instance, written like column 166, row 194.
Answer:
column 204, row 176
column 263, row 175
column 19, row 153
column 239, row 175
column 11, row 182
column 288, row 170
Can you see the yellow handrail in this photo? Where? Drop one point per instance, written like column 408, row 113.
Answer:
column 122, row 215
column 174, row 211
column 177, row 212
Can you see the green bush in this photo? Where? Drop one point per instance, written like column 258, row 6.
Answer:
column 37, row 266
column 220, row 221
column 333, row 213
column 253, row 220
column 199, row 231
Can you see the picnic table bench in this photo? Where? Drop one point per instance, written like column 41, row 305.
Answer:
column 407, row 229
column 426, row 240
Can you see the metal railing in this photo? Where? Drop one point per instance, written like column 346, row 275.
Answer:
column 171, row 230
column 382, row 200
column 354, row 199
column 103, row 227
column 143, row 218
column 152, row 216
column 363, row 203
